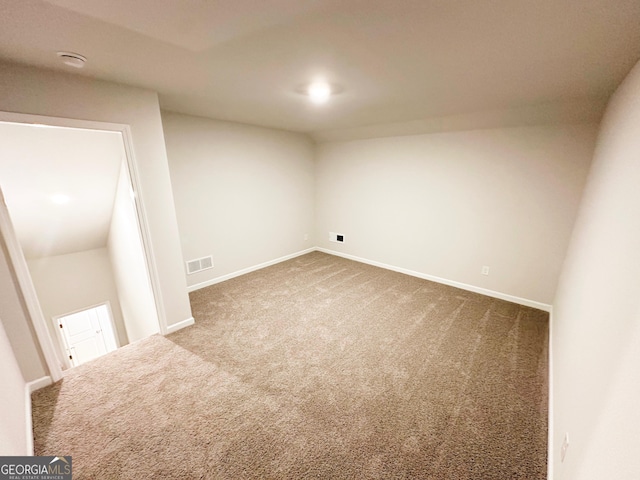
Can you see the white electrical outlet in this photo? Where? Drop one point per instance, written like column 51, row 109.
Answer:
column 485, row 270
column 306, row 237
column 565, row 446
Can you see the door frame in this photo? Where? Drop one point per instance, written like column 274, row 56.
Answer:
column 15, row 250
column 25, row 285
column 61, row 341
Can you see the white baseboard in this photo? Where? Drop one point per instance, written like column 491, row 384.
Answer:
column 28, row 420
column 29, row 388
column 180, row 325
column 550, row 448
column 38, row 384
column 471, row 288
column 229, row 276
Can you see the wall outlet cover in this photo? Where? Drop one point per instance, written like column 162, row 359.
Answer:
column 336, row 237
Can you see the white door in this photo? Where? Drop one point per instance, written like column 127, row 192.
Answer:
column 87, row 334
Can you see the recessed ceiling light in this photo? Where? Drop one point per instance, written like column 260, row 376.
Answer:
column 319, row 92
column 71, row 59
column 60, row 198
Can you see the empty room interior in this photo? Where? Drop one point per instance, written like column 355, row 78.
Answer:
column 321, row 238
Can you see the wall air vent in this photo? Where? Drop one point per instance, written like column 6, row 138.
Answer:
column 199, row 264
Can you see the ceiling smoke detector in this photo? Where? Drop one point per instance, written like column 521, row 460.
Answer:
column 74, row 60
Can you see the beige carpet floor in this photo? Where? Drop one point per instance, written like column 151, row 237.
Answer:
column 317, row 367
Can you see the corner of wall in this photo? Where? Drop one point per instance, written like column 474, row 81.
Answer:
column 180, row 325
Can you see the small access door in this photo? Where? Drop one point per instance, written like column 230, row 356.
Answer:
column 87, row 334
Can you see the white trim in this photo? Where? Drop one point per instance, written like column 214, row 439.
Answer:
column 28, row 420
column 25, row 284
column 471, row 288
column 143, row 225
column 229, row 276
column 180, row 325
column 29, row 388
column 39, row 322
column 61, row 346
column 114, row 327
column 38, row 384
column 44, row 121
column 550, row 406
column 62, row 343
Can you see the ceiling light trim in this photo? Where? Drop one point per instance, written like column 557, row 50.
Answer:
column 319, row 91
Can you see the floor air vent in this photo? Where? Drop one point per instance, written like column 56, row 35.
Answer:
column 199, row 264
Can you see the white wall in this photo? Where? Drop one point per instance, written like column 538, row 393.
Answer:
column 43, row 92
column 127, row 256
column 243, row 194
column 596, row 339
column 17, row 323
column 67, row 283
column 16, row 363
column 13, row 398
column 446, row 204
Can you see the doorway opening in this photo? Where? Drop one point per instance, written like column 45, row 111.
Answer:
column 87, row 334
column 63, row 268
